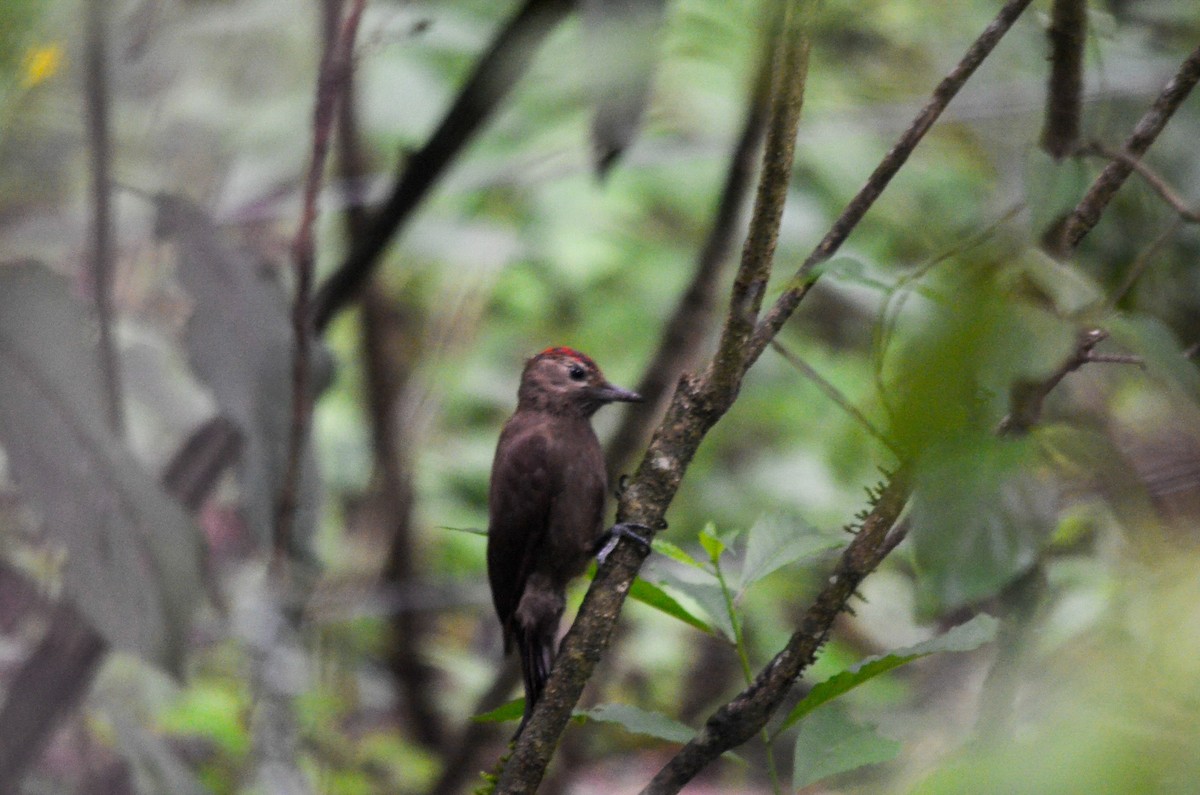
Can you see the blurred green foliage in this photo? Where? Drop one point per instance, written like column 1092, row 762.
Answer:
column 937, row 305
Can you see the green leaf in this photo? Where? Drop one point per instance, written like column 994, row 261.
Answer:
column 711, row 597
column 475, row 531
column 713, row 545
column 639, row 721
column 133, row 553
column 981, row 512
column 509, row 710
column 650, row 594
column 829, row 743
column 240, row 343
column 776, row 541
column 965, row 637
column 676, row 553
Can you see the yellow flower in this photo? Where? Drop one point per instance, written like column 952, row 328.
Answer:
column 41, row 62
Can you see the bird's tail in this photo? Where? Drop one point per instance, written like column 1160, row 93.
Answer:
column 537, row 656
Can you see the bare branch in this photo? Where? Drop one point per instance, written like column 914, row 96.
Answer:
column 1064, row 95
column 100, row 151
column 1027, row 397
column 336, row 52
column 1087, row 213
column 679, row 346
column 830, row 391
column 698, row 403
column 495, row 74
column 1151, row 177
column 896, row 157
column 758, row 252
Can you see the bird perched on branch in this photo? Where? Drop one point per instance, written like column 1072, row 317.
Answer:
column 546, row 504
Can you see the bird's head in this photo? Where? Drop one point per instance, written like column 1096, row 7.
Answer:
column 565, row 381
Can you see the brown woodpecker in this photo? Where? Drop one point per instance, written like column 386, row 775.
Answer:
column 546, row 504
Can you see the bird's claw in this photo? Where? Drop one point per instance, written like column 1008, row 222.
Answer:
column 614, row 535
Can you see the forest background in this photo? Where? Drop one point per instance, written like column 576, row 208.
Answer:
column 270, row 272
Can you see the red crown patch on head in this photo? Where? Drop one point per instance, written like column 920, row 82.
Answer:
column 570, row 353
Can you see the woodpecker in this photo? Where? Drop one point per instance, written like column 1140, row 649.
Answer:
column 546, row 504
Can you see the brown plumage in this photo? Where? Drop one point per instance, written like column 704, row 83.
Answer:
column 546, row 503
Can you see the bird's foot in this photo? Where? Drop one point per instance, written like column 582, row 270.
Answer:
column 608, row 542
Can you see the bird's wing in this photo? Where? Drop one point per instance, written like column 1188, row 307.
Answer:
column 519, row 506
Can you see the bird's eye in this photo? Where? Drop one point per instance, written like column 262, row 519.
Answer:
column 577, row 372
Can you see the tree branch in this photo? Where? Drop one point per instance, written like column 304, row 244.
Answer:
column 100, row 151
column 896, row 157
column 1087, row 213
column 698, row 403
column 495, row 74
column 1064, row 94
column 335, row 56
column 679, row 346
column 1151, row 177
column 743, row 717
column 758, row 252
column 834, row 395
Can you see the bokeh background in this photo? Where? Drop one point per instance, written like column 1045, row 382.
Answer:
column 1080, row 536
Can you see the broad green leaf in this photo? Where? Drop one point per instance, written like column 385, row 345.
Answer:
column 981, row 512
column 829, row 743
column 240, row 343
column 676, row 553
column 965, row 637
column 776, row 541
column 133, row 553
column 710, row 596
column 509, row 710
column 650, row 594
column 639, row 721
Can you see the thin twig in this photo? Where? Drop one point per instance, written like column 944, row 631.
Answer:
column 100, row 146
column 1026, row 398
column 1151, row 177
column 804, row 277
column 388, row 361
column 834, row 394
column 1087, row 213
column 1142, row 262
column 337, row 51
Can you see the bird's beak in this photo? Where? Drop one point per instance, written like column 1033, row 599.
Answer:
column 611, row 394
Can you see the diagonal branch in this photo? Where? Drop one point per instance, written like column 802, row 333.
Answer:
column 758, row 252
column 679, row 347
column 698, row 403
column 743, row 717
column 896, row 157
column 1087, row 213
column 495, row 74
column 1151, row 178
